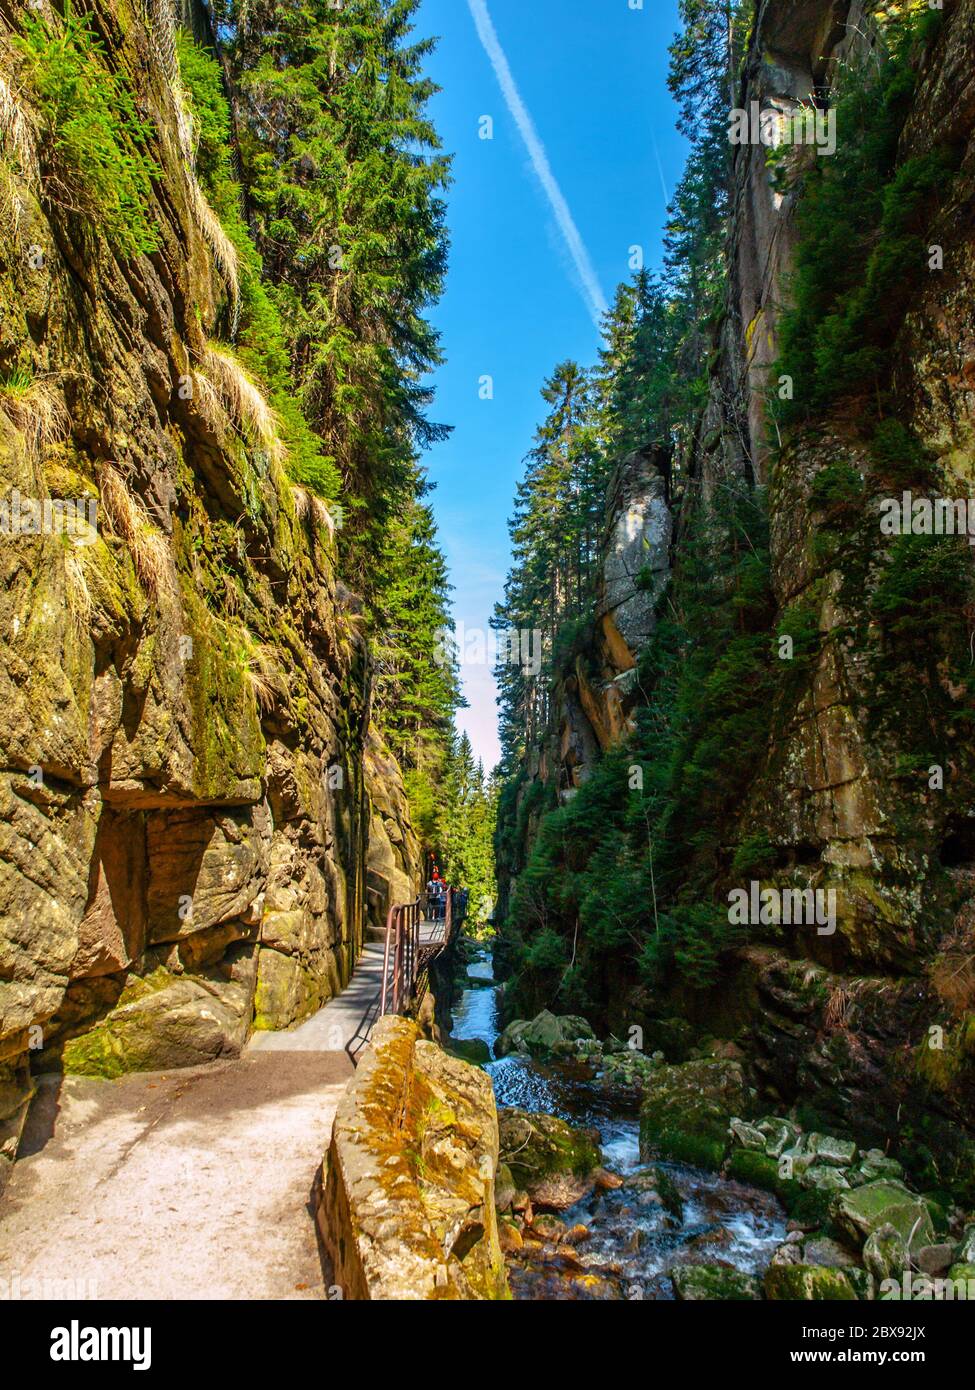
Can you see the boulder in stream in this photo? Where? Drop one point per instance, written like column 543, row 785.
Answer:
column 687, row 1110
column 554, row 1162
column 701, row 1283
column 863, row 1210
column 547, row 1035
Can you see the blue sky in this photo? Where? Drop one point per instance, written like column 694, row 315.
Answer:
column 592, row 76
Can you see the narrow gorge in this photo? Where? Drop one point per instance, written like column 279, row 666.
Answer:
column 694, row 1019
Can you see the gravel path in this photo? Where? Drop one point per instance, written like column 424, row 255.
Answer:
column 185, row 1184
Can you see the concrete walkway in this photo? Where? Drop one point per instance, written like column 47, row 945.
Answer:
column 346, row 1021
column 344, row 1024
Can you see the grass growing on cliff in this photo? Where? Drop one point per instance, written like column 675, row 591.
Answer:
column 93, row 143
column 35, row 409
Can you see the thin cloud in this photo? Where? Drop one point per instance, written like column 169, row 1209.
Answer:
column 591, row 288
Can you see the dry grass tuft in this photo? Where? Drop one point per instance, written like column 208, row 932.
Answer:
column 312, row 508
column 222, row 248
column 952, row 972
column 36, row 411
column 233, row 389
column 130, row 521
column 17, row 134
column 263, row 675
column 78, row 595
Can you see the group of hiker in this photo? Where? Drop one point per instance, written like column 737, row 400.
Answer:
column 437, row 890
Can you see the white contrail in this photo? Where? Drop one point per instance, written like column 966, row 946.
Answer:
column 592, row 291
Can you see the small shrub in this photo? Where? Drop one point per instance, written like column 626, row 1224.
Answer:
column 93, row 143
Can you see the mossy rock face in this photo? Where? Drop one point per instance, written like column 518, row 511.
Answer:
column 162, row 1022
column 700, row 1283
column 808, row 1284
column 288, row 991
column 541, row 1151
column 963, row 1273
column 760, row 1170
column 687, row 1110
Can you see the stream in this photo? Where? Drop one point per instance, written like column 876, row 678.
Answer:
column 631, row 1239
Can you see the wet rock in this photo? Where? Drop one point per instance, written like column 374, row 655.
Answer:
column 628, row 1069
column 779, row 1135
column 808, row 1283
column 863, row 1210
column 549, row 1227
column 545, row 1035
column 824, row 1179
column 934, row 1259
column 550, row 1159
column 504, row 1188
column 826, row 1252
column 687, row 1110
column 875, row 1164
column 748, row 1136
column 469, row 1049
column 605, row 1180
column 575, row 1235
column 699, row 1283
column 657, row 1183
column 885, row 1253
column 840, row 1153
column 509, row 1237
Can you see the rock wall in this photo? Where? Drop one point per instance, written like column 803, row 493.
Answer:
column 407, row 1202
column 394, row 864
column 184, row 819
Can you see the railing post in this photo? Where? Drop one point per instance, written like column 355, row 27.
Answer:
column 390, row 919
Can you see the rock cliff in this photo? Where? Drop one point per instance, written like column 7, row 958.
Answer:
column 191, row 788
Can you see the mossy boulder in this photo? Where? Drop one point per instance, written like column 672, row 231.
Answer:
column 714, row 1283
column 963, row 1273
column 687, row 1110
column 470, row 1049
column 549, row 1159
column 885, row 1253
column 161, row 1022
column 760, row 1170
column 808, row 1284
column 546, row 1035
column 864, row 1210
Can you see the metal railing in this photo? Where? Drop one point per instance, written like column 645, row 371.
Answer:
column 412, row 941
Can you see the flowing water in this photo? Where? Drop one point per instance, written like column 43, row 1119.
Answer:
column 632, row 1239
